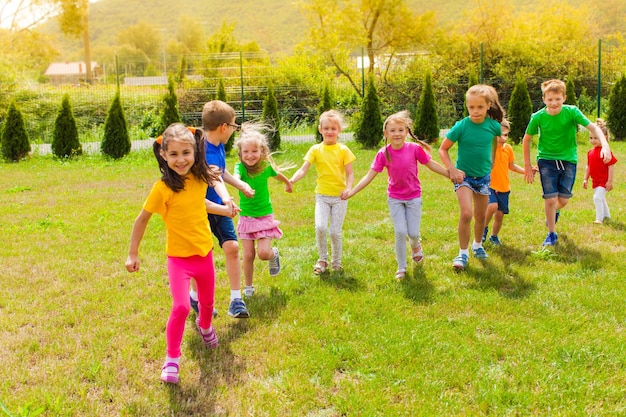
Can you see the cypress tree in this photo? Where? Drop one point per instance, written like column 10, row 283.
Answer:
column 65, row 143
column 370, row 129
column 324, row 105
column 427, row 125
column 221, row 95
column 519, row 111
column 15, row 144
column 271, row 118
column 473, row 80
column 616, row 115
column 570, row 93
column 170, row 111
column 116, row 142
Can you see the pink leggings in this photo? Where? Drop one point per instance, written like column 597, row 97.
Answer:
column 179, row 271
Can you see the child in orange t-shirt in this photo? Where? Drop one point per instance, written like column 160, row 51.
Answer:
column 500, row 185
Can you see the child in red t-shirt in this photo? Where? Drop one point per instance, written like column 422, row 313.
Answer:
column 601, row 175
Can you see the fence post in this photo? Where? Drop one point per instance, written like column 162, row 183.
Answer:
column 243, row 103
column 363, row 72
column 599, row 75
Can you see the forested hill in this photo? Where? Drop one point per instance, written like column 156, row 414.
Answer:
column 275, row 25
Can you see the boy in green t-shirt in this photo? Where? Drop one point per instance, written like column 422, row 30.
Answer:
column 557, row 125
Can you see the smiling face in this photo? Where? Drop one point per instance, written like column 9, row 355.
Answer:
column 330, row 130
column 179, row 156
column 595, row 142
column 396, row 132
column 477, row 107
column 250, row 153
column 554, row 102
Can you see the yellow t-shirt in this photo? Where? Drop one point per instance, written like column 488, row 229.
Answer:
column 500, row 172
column 185, row 217
column 330, row 162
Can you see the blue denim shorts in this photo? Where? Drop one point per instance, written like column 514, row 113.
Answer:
column 223, row 228
column 478, row 185
column 501, row 198
column 557, row 178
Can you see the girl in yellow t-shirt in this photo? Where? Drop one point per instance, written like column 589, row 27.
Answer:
column 179, row 197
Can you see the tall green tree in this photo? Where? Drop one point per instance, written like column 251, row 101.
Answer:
column 271, row 117
column 570, row 92
column 15, row 143
column 616, row 115
column 325, row 104
column 472, row 80
column 221, row 95
column 370, row 129
column 519, row 111
column 427, row 125
column 65, row 143
column 170, row 112
column 116, row 142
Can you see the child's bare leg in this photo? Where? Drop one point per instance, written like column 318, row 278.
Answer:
column 248, row 260
column 264, row 249
column 481, row 202
column 233, row 268
column 464, row 195
column 491, row 210
column 497, row 223
column 550, row 208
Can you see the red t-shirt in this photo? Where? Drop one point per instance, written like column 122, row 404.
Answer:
column 598, row 170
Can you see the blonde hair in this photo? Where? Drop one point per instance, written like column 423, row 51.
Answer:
column 602, row 125
column 553, row 86
column 216, row 113
column 505, row 123
column 252, row 133
column 403, row 117
column 495, row 111
column 333, row 116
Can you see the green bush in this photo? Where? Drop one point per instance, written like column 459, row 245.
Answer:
column 270, row 117
column 170, row 111
column 616, row 115
column 116, row 141
column 370, row 128
column 15, row 143
column 427, row 125
column 472, row 80
column 519, row 111
column 221, row 95
column 570, row 93
column 65, row 143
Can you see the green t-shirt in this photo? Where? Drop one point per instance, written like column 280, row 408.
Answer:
column 475, row 143
column 259, row 205
column 557, row 134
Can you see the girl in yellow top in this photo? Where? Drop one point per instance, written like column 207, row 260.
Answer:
column 179, row 197
column 333, row 162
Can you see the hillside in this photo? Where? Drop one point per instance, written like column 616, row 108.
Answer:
column 275, row 25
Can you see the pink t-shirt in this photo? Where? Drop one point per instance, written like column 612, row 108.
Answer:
column 402, row 169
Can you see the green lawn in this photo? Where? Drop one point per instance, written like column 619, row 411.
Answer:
column 528, row 332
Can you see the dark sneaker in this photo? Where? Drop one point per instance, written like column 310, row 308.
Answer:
column 495, row 241
column 551, row 239
column 237, row 309
column 194, row 305
column 209, row 339
column 460, row 262
column 556, row 219
column 485, row 234
column 275, row 263
column 479, row 253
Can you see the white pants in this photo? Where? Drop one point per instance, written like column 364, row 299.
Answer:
column 599, row 200
column 406, row 216
column 334, row 209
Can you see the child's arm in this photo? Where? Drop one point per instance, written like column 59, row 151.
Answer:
column 299, row 174
column 609, row 181
column 605, row 154
column 227, row 201
column 371, row 174
column 454, row 174
column 587, row 175
column 435, row 166
column 529, row 174
column 238, row 184
column 288, row 185
column 139, row 228
column 516, row 168
column 349, row 180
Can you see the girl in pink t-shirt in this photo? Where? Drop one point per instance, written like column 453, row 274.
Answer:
column 405, row 192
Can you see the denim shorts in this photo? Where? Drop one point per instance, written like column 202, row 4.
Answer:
column 478, row 185
column 501, row 198
column 223, row 228
column 557, row 178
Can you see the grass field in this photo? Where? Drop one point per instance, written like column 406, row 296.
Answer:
column 528, row 332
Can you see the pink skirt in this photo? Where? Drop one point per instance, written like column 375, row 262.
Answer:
column 255, row 228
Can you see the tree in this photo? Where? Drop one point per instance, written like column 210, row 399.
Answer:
column 74, row 21
column 616, row 115
column 324, row 105
column 65, row 143
column 472, row 80
column 221, row 95
column 15, row 143
column 116, row 142
column 570, row 92
column 271, row 118
column 370, row 129
column 519, row 111
column 170, row 112
column 143, row 37
column 427, row 126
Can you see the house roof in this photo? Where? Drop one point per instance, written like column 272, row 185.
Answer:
column 69, row 68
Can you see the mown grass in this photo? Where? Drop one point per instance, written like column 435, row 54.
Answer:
column 529, row 332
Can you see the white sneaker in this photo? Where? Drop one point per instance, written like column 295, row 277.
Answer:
column 248, row 291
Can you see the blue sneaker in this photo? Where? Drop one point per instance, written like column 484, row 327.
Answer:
column 485, row 234
column 275, row 263
column 479, row 253
column 460, row 262
column 237, row 309
column 551, row 239
column 194, row 306
column 495, row 241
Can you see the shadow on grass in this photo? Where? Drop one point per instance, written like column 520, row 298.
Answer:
column 416, row 286
column 222, row 366
column 568, row 252
column 615, row 225
column 341, row 280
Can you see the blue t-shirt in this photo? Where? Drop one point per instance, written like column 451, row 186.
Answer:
column 215, row 155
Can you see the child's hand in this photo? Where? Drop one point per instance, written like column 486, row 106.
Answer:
column 132, row 263
column 235, row 207
column 605, row 154
column 456, row 175
column 585, row 184
column 345, row 194
column 247, row 190
column 529, row 174
column 609, row 185
column 288, row 187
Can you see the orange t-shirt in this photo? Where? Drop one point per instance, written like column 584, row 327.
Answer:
column 500, row 172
